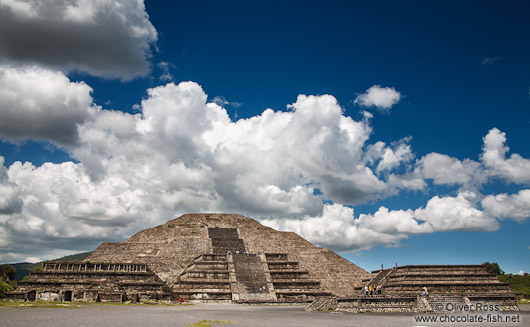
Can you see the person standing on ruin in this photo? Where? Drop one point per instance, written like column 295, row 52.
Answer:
column 366, row 291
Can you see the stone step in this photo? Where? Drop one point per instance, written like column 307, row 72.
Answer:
column 194, row 291
column 291, row 280
column 203, row 282
column 91, row 273
column 223, row 233
column 303, row 292
column 276, row 256
column 444, row 284
column 213, row 266
column 212, row 257
column 282, row 265
column 297, row 283
column 283, row 273
column 228, row 245
column 201, row 290
column 204, row 295
column 220, row 277
column 444, row 273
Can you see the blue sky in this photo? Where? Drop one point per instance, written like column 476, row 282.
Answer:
column 410, row 145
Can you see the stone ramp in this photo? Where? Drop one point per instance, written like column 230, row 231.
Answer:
column 322, row 303
column 226, row 240
column 378, row 280
column 251, row 282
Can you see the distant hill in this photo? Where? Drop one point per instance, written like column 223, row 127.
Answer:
column 24, row 268
column 75, row 257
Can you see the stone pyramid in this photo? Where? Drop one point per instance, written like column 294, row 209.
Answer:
column 235, row 258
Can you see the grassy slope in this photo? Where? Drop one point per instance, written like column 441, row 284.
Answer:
column 24, row 268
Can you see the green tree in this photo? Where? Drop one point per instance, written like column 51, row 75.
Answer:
column 518, row 283
column 7, row 271
column 493, row 268
column 7, row 279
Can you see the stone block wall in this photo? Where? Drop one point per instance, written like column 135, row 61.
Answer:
column 377, row 304
column 460, row 279
column 86, row 281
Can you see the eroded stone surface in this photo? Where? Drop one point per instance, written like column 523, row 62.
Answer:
column 170, row 248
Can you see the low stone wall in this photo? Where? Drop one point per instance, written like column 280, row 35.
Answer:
column 504, row 303
column 377, row 304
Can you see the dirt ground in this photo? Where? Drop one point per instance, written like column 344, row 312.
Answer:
column 215, row 314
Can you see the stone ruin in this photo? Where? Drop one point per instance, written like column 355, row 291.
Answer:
column 92, row 282
column 449, row 286
column 231, row 258
column 206, row 257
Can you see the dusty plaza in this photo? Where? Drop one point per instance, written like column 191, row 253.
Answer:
column 218, row 314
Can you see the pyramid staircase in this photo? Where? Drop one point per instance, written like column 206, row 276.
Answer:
column 230, row 273
column 379, row 279
column 206, row 278
column 291, row 284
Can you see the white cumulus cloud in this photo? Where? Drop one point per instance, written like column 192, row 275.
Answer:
column 455, row 213
column 383, row 98
column 515, row 169
column 446, row 170
column 108, row 38
column 338, row 228
column 515, row 206
column 38, row 103
column 181, row 153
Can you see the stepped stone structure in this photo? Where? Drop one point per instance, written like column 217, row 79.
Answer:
column 206, row 257
column 231, row 258
column 449, row 287
column 439, row 279
column 87, row 282
column 234, row 258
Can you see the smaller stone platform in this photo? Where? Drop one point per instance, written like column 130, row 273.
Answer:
column 438, row 279
column 91, row 282
column 449, row 287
